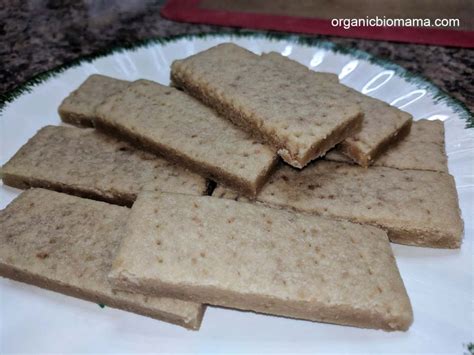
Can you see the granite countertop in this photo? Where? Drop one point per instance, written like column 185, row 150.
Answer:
column 38, row 35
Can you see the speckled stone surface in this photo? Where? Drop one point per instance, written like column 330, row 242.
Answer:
column 38, row 35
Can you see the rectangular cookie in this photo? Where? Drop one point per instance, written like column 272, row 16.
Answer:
column 166, row 121
column 414, row 207
column 422, row 149
column 281, row 108
column 383, row 125
column 66, row 244
column 252, row 257
column 78, row 108
column 90, row 164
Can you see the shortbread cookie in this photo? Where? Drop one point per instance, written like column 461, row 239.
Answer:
column 422, row 149
column 252, row 257
column 79, row 107
column 90, row 164
column 414, row 207
column 383, row 125
column 66, row 244
column 281, row 108
column 166, row 121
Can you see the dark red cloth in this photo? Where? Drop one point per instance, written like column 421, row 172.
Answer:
column 189, row 11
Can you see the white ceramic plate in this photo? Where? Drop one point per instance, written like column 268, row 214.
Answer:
column 439, row 282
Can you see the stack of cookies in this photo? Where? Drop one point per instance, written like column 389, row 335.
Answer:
column 251, row 183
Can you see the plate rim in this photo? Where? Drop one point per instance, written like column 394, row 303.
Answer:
column 439, row 96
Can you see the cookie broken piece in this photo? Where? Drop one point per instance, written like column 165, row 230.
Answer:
column 415, row 207
column 279, row 107
column 78, row 108
column 422, row 149
column 84, row 162
column 66, row 244
column 166, row 121
column 383, row 125
column 252, row 257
